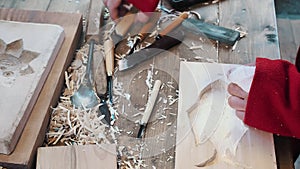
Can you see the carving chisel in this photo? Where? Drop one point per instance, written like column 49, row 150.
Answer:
column 149, row 107
column 159, row 46
column 156, row 44
column 109, row 63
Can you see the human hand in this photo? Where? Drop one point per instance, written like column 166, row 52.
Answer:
column 238, row 99
column 114, row 9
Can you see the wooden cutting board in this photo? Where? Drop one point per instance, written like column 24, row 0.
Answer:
column 35, row 128
column 208, row 132
column 23, row 73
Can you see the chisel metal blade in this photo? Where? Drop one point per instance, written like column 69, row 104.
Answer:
column 159, row 46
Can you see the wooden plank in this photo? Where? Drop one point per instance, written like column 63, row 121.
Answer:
column 70, row 6
column 7, row 4
column 25, row 4
column 77, row 157
column 35, row 129
column 160, row 136
column 259, row 22
column 95, row 18
column 287, row 39
column 296, row 30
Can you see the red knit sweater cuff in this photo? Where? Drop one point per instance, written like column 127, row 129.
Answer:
column 273, row 99
column 145, row 5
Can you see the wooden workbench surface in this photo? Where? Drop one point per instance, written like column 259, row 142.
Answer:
column 258, row 21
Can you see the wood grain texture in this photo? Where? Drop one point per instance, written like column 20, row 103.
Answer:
column 34, row 131
column 259, row 22
column 288, row 31
column 72, row 6
column 77, row 157
column 95, row 18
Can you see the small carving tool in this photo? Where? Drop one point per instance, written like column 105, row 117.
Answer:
column 149, row 107
column 155, row 44
column 127, row 45
column 211, row 31
column 109, row 63
column 85, row 96
column 159, row 46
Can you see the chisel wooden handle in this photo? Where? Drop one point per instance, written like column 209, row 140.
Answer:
column 109, row 56
column 124, row 24
column 174, row 24
column 151, row 102
column 149, row 25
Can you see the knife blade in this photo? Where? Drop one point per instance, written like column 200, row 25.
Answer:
column 159, row 46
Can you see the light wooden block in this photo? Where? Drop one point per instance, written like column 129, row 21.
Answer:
column 254, row 148
column 19, row 92
column 77, row 157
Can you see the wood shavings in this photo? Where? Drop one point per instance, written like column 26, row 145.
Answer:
column 196, row 47
column 68, row 125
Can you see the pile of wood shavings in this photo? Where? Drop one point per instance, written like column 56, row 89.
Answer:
column 72, row 126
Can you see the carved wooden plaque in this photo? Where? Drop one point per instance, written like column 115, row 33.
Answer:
column 209, row 134
column 27, row 52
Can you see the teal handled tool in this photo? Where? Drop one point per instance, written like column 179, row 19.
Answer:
column 195, row 25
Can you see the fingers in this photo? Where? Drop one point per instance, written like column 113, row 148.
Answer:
column 240, row 115
column 238, row 100
column 113, row 5
column 237, row 103
column 237, row 91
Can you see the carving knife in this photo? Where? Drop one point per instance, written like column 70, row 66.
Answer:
column 159, row 46
column 149, row 107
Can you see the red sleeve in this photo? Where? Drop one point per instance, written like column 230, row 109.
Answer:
column 274, row 98
column 145, row 5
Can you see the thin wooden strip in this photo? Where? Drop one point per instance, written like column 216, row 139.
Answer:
column 95, row 18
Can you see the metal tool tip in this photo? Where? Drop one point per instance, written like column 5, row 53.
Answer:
column 123, row 64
